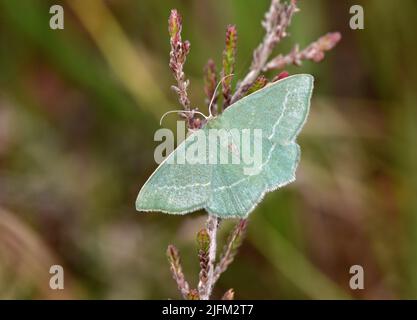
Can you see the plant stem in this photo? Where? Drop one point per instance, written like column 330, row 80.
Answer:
column 276, row 21
column 212, row 225
column 176, row 270
column 230, row 249
column 315, row 52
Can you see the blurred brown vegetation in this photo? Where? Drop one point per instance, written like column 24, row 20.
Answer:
column 78, row 109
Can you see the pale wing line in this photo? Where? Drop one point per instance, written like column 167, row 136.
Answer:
column 235, row 200
column 183, row 144
column 184, row 187
column 247, row 177
column 270, row 151
column 281, row 115
column 267, row 188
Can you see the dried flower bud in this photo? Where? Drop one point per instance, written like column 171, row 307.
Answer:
column 318, row 56
column 230, row 48
column 314, row 52
column 259, row 83
column 210, row 80
column 186, row 47
column 196, row 123
column 280, row 76
column 329, row 41
column 229, row 295
column 176, row 270
column 174, row 24
column 193, row 295
column 172, row 254
column 229, row 59
column 178, row 56
column 203, row 240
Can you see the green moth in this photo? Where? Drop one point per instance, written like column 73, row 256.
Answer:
column 226, row 190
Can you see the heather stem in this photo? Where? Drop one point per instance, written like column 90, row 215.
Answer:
column 176, row 270
column 178, row 55
column 229, row 59
column 276, row 21
column 315, row 52
column 203, row 240
column 210, row 81
column 230, row 250
column 212, row 225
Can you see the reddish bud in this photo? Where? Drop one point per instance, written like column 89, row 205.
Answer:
column 174, row 23
column 193, row 295
column 329, row 41
column 259, row 83
column 186, row 47
column 318, row 56
column 282, row 75
column 229, row 295
column 203, row 240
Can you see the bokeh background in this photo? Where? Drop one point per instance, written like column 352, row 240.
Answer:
column 78, row 110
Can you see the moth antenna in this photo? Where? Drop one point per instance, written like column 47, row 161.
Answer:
column 215, row 91
column 178, row 111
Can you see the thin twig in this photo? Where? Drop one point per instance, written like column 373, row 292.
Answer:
column 230, row 249
column 203, row 240
column 178, row 55
column 176, row 270
column 212, row 225
column 315, row 52
column 210, row 81
column 276, row 21
column 229, row 60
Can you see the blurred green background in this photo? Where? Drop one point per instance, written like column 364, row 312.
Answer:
column 78, row 110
